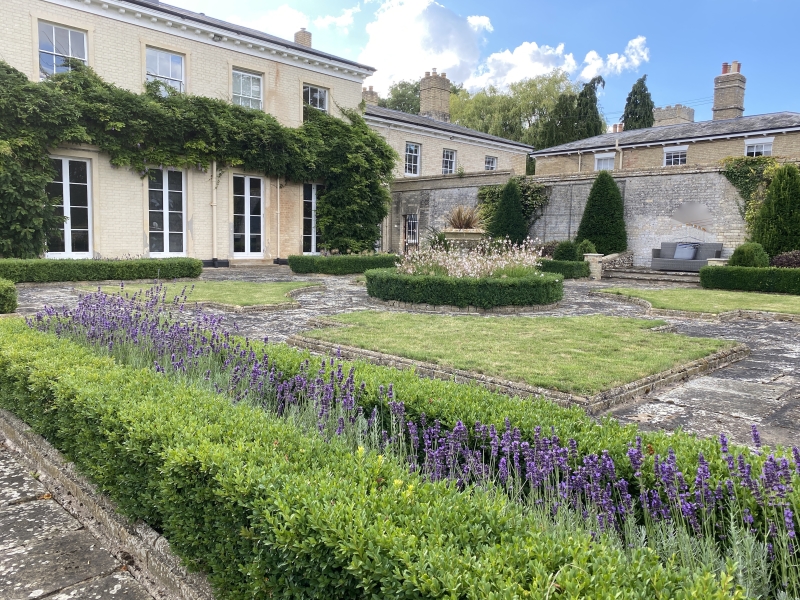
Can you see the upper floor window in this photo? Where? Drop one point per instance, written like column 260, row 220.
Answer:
column 758, row 147
column 448, row 162
column 675, row 156
column 247, row 89
column 165, row 66
column 58, row 44
column 316, row 97
column 490, row 163
column 412, row 158
column 604, row 162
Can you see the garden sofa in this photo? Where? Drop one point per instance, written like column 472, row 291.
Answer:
column 690, row 256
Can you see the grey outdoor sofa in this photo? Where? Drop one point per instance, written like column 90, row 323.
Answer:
column 663, row 258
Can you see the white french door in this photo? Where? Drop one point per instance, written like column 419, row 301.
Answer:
column 311, row 191
column 167, row 213
column 248, row 217
column 72, row 186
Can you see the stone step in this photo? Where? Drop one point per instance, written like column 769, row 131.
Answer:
column 651, row 275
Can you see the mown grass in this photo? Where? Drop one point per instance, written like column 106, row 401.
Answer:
column 234, row 293
column 712, row 301
column 582, row 355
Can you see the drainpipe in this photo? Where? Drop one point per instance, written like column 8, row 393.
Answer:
column 214, row 213
column 278, row 220
column 579, row 161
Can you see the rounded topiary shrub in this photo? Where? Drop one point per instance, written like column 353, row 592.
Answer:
column 586, row 247
column 750, row 254
column 603, row 220
column 787, row 260
column 566, row 250
column 8, row 297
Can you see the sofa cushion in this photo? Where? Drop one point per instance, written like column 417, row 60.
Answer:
column 668, row 249
column 706, row 251
column 685, row 251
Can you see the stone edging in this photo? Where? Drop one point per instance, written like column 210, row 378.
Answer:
column 469, row 310
column 732, row 315
column 145, row 553
column 592, row 404
column 150, row 280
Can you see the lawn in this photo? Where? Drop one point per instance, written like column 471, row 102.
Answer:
column 712, row 301
column 582, row 355
column 235, row 293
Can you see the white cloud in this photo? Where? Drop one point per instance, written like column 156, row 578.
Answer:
column 283, row 21
column 343, row 22
column 526, row 60
column 480, row 22
column 636, row 52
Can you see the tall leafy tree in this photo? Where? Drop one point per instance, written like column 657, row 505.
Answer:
column 589, row 123
column 777, row 224
column 639, row 106
column 508, row 218
column 403, row 96
column 560, row 125
column 603, row 221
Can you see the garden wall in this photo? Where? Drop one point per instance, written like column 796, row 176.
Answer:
column 651, row 198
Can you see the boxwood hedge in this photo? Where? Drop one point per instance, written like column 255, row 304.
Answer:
column 486, row 292
column 269, row 511
column 51, row 270
column 341, row 264
column 570, row 269
column 751, row 279
column 8, row 297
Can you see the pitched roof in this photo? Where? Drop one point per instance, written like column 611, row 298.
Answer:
column 685, row 132
column 428, row 123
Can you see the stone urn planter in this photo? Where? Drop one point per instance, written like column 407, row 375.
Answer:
column 464, row 238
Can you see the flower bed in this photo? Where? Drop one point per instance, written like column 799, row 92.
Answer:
column 570, row 269
column 752, row 279
column 341, row 264
column 51, row 270
column 8, row 297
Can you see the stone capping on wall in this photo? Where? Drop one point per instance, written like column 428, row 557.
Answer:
column 456, row 310
column 145, row 553
column 591, row 404
column 592, row 175
column 732, row 315
column 465, row 180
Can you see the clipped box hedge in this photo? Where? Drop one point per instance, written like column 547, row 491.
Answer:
column 486, row 292
column 570, row 269
column 268, row 511
column 341, row 264
column 751, row 279
column 46, row 270
column 8, row 297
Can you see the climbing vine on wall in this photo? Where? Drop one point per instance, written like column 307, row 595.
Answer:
column 750, row 175
column 163, row 128
column 534, row 199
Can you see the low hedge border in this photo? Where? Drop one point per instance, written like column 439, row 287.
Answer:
column 568, row 268
column 774, row 280
column 485, row 293
column 266, row 510
column 54, row 270
column 8, row 297
column 342, row 264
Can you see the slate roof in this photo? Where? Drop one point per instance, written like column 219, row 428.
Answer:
column 739, row 127
column 238, row 29
column 408, row 119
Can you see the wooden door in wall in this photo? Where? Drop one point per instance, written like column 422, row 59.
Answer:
column 248, row 217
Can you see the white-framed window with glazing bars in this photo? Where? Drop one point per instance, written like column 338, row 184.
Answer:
column 166, row 212
column 758, row 147
column 490, row 163
column 58, row 44
column 316, row 97
column 604, row 162
column 167, row 67
column 72, row 190
column 247, row 89
column 248, row 216
column 675, row 156
column 448, row 161
column 412, row 159
column 311, row 238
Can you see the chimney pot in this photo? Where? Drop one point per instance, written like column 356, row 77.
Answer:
column 444, row 75
column 427, row 73
column 724, row 68
column 434, row 71
column 370, row 88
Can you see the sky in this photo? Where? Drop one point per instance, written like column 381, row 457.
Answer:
column 680, row 46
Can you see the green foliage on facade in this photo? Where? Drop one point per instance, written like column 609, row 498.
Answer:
column 777, row 224
column 533, row 197
column 638, row 113
column 508, row 219
column 750, row 254
column 603, row 221
column 164, row 128
column 750, row 175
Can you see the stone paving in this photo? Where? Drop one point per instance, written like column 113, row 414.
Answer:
column 45, row 552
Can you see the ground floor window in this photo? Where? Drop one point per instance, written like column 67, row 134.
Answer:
column 248, row 215
column 166, row 212
column 311, row 191
column 411, row 232
column 72, row 190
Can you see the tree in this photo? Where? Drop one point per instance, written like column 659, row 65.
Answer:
column 603, row 221
column 639, row 107
column 777, row 223
column 589, row 123
column 573, row 117
column 508, row 219
column 403, row 96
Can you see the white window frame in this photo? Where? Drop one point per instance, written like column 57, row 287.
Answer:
column 251, row 99
column 604, row 156
column 668, row 150
column 165, row 211
column 410, row 231
column 313, row 235
column 755, row 142
column 413, row 160
column 248, row 216
column 448, row 161
column 169, row 80
column 70, row 53
column 307, row 87
column 490, row 163
column 65, row 183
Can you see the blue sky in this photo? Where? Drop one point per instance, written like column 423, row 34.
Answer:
column 679, row 45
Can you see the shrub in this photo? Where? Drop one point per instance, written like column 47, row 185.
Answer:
column 603, row 220
column 586, row 247
column 8, row 297
column 508, row 220
column 488, row 258
column 549, row 247
column 749, row 254
column 464, row 217
column 570, row 269
column 777, row 224
column 42, row 270
column 484, row 292
column 566, row 250
column 787, row 260
column 751, row 279
column 341, row 264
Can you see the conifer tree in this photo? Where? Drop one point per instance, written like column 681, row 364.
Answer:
column 508, row 219
column 777, row 224
column 639, row 107
column 589, row 122
column 603, row 221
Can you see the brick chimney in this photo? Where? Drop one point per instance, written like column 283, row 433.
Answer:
column 303, row 37
column 370, row 96
column 434, row 96
column 729, row 92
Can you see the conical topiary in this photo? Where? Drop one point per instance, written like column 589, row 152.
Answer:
column 508, row 219
column 603, row 221
column 777, row 224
